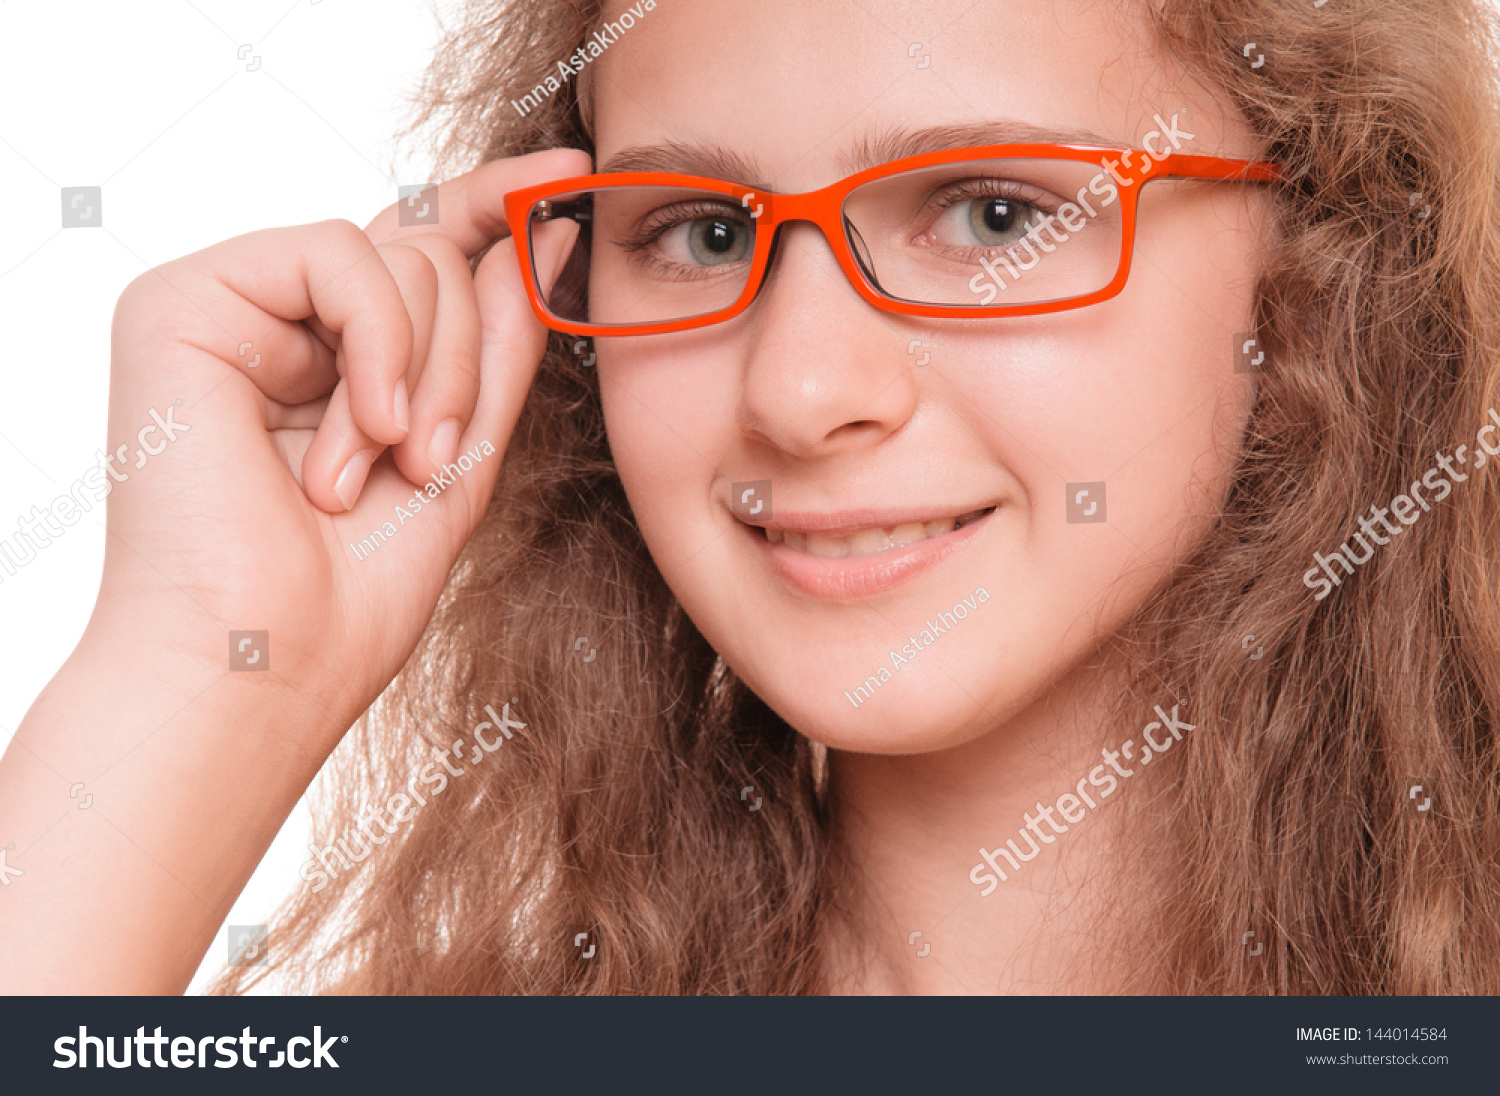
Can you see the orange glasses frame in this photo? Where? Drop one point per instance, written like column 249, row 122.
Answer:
column 824, row 208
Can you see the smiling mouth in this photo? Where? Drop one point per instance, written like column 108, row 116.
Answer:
column 872, row 541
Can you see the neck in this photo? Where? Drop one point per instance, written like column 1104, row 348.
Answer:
column 910, row 830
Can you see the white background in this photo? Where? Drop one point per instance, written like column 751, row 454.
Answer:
column 149, row 99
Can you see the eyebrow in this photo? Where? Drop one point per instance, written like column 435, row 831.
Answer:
column 718, row 162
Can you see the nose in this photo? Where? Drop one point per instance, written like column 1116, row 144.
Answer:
column 824, row 371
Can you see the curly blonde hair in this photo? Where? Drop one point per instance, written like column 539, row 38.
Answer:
column 617, row 812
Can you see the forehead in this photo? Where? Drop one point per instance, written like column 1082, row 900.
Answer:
column 803, row 92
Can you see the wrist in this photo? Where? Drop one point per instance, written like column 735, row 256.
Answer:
column 245, row 684
column 181, row 773
column 153, row 690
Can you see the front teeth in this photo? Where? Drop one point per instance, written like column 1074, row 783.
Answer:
column 869, row 542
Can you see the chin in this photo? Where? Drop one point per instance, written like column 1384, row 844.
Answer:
column 907, row 717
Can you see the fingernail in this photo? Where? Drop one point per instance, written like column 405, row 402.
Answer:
column 352, row 478
column 399, row 406
column 444, row 444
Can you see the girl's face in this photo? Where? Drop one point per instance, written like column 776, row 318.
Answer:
column 859, row 428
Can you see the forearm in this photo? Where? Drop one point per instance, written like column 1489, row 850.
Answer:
column 191, row 772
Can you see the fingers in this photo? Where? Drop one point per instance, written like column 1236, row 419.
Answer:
column 375, row 336
column 333, row 272
column 471, row 207
column 443, row 395
column 394, row 337
column 512, row 340
column 336, row 463
column 446, row 385
column 437, row 287
column 295, row 416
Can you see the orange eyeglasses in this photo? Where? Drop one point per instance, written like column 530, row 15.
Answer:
column 998, row 230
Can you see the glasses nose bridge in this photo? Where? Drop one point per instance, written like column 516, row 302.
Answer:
column 818, row 207
column 821, row 208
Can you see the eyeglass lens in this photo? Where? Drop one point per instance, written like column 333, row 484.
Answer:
column 979, row 233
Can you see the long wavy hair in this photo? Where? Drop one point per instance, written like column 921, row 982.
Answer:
column 617, row 811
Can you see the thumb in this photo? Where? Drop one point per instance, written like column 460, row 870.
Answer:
column 511, row 340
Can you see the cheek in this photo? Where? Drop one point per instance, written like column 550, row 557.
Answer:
column 669, row 415
column 1134, row 401
column 1123, row 422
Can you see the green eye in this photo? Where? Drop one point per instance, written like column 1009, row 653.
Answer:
column 714, row 241
column 1000, row 221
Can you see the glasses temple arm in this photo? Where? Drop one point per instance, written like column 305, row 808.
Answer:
column 1213, row 167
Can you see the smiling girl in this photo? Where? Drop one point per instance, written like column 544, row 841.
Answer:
column 902, row 592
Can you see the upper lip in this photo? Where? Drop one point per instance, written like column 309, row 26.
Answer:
column 842, row 523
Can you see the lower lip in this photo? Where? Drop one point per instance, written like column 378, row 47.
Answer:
column 862, row 576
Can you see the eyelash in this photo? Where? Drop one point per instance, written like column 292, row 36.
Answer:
column 967, row 190
column 666, row 219
column 1007, row 189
